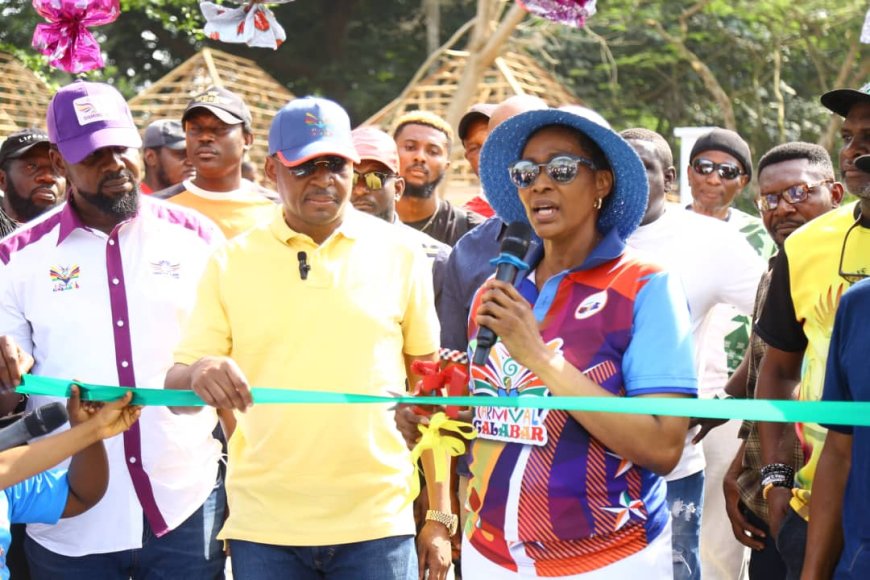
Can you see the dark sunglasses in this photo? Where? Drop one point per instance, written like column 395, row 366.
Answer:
column 850, row 277
column 374, row 180
column 561, row 169
column 725, row 170
column 794, row 194
column 333, row 164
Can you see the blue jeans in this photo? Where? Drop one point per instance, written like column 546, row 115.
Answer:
column 764, row 564
column 190, row 551
column 792, row 543
column 393, row 558
column 685, row 502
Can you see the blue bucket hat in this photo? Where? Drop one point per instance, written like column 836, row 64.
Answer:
column 622, row 209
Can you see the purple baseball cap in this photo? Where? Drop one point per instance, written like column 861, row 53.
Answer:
column 308, row 128
column 83, row 117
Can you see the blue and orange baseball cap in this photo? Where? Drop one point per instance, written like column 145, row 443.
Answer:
column 308, row 128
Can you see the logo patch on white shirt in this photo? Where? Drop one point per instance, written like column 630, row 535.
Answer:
column 591, row 305
column 166, row 268
column 64, row 278
column 93, row 108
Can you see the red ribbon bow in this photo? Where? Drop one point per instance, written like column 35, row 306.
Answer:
column 435, row 379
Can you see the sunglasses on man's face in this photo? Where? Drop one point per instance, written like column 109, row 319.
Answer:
column 794, row 194
column 561, row 169
column 725, row 170
column 373, row 180
column 333, row 164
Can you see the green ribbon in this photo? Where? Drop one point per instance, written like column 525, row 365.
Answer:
column 825, row 412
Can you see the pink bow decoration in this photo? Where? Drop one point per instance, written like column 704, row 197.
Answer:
column 65, row 39
column 571, row 12
column 252, row 24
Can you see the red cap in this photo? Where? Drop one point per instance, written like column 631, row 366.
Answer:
column 372, row 143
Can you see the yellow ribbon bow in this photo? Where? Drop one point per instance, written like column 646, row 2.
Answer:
column 443, row 445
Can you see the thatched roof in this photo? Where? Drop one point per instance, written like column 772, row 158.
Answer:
column 513, row 73
column 168, row 97
column 24, row 97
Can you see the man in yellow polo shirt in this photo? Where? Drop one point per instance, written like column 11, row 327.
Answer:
column 323, row 298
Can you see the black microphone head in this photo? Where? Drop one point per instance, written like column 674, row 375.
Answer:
column 516, row 239
column 301, row 256
column 45, row 419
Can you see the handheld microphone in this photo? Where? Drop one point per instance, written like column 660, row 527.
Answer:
column 38, row 422
column 514, row 246
column 304, row 268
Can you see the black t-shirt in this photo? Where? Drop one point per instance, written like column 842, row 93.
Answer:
column 778, row 325
column 448, row 223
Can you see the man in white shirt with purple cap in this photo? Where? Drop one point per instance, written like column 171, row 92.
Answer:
column 95, row 290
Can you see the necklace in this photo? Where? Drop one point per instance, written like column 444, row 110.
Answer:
column 431, row 220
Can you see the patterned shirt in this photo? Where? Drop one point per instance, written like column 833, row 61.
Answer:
column 749, row 479
column 544, row 492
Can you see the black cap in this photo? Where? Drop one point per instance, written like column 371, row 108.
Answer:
column 164, row 133
column 478, row 112
column 225, row 105
column 841, row 100
column 727, row 141
column 863, row 163
column 20, row 142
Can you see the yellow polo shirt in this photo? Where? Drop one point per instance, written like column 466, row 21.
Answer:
column 304, row 475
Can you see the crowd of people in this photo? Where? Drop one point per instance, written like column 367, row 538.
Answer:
column 166, row 260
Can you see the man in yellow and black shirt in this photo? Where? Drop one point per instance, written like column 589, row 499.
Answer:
column 818, row 263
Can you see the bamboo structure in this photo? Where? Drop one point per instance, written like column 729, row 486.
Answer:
column 168, row 97
column 512, row 73
column 24, row 97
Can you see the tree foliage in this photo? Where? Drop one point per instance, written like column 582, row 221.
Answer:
column 759, row 65
column 643, row 63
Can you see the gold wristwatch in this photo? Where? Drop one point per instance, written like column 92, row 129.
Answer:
column 450, row 521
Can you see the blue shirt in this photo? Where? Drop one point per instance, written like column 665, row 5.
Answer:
column 847, row 378
column 467, row 269
column 40, row 499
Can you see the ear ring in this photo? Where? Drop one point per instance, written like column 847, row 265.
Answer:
column 598, row 202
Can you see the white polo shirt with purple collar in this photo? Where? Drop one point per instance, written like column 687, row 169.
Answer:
column 108, row 309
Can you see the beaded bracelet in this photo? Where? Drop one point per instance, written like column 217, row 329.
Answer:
column 777, row 475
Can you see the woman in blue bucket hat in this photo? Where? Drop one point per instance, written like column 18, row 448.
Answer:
column 558, row 494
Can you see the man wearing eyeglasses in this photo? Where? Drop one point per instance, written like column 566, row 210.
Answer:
column 716, row 266
column 796, row 182
column 377, row 186
column 720, row 167
column 818, row 263
column 217, row 125
column 322, row 298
